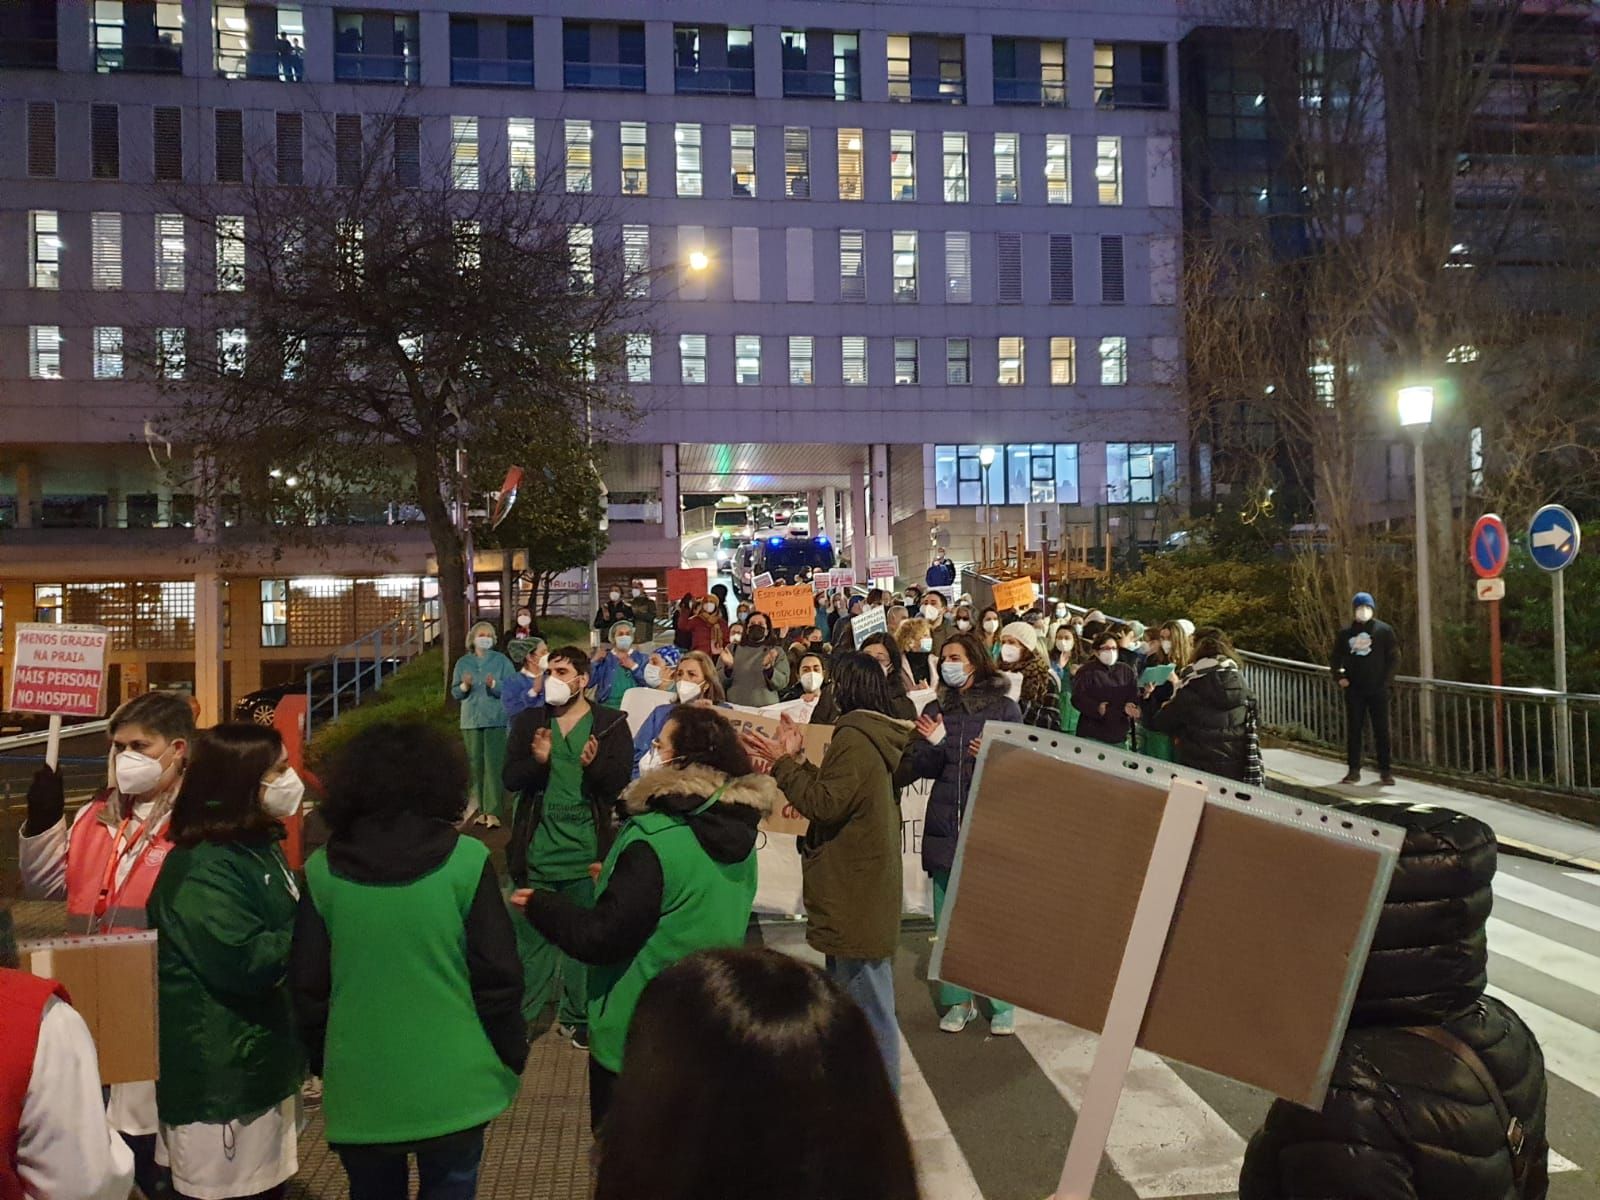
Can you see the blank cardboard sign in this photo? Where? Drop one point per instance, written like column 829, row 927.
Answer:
column 1272, row 927
column 112, row 981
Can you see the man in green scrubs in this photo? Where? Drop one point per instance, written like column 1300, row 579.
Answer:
column 567, row 760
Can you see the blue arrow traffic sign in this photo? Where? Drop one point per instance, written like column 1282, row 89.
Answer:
column 1553, row 537
column 1490, row 546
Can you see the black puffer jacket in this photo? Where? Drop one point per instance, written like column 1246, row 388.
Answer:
column 1405, row 1119
column 1209, row 717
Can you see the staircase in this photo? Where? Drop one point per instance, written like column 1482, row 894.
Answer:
column 360, row 667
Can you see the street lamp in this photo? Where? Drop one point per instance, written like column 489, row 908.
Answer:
column 986, row 460
column 1416, row 414
column 698, row 260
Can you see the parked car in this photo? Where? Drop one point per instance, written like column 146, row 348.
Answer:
column 260, row 707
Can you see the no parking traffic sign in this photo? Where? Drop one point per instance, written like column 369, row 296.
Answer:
column 1489, row 546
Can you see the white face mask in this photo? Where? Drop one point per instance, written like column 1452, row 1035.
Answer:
column 963, row 625
column 1010, row 653
column 711, row 608
column 557, row 691
column 615, row 596
column 991, row 625
column 136, row 774
column 281, row 797
column 652, row 675
column 624, row 640
column 1109, row 657
column 953, row 673
column 637, row 592
column 930, row 612
column 735, row 638
column 926, row 645
column 688, row 691
column 811, row 681
column 1061, row 610
column 483, row 643
column 524, row 621
column 1064, row 646
column 1363, row 613
column 1166, row 645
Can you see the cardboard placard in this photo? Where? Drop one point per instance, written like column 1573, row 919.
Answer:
column 766, row 722
column 1015, row 593
column 883, row 568
column 59, row 670
column 112, row 980
column 787, row 607
column 1274, row 920
column 763, row 580
column 687, row 581
column 867, row 622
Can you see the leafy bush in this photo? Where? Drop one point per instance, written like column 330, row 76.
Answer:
column 1248, row 600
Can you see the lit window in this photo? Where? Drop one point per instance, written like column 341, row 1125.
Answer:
column 1140, row 472
column 44, row 250
column 1113, row 361
column 520, row 153
column 105, row 238
column 958, row 267
column 851, row 185
column 958, row 361
column 635, row 155
column 1005, row 168
column 171, row 352
column 44, row 352
column 899, row 64
column 1324, row 383
column 274, row 612
column 637, row 348
column 687, row 140
column 796, row 162
column 108, row 352
column 853, row 357
column 905, row 360
column 905, row 266
column 580, row 256
column 800, row 359
column 692, row 357
column 169, row 252
column 1462, row 354
column 1475, row 459
column 852, row 265
column 1021, row 473
column 636, row 259
column 902, row 164
column 580, row 156
column 1058, row 168
column 1108, row 169
column 230, row 254
column 467, row 237
column 464, row 152
column 348, row 237
column 955, row 168
column 583, row 348
column 742, row 157
column 1063, row 361
column 294, row 355
column 230, row 351
column 747, row 359
column 1008, row 351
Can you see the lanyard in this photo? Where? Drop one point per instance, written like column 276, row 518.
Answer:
column 119, row 851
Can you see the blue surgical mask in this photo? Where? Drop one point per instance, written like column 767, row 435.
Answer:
column 952, row 672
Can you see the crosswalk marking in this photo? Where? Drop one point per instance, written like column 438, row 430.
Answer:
column 1542, row 899
column 1166, row 1141
column 1554, row 958
column 1571, row 1051
column 942, row 1169
column 1588, row 877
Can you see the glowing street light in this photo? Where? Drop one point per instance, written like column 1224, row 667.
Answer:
column 698, row 260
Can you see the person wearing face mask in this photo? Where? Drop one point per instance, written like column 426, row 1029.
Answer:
column 962, row 621
column 916, row 642
column 224, row 907
column 1209, row 722
column 522, row 628
column 989, row 630
column 708, row 628
column 844, row 637
column 948, row 736
column 741, row 614
column 1105, row 691
column 882, row 649
column 1366, row 656
column 617, row 669
column 757, row 668
column 1064, row 665
column 941, row 571
column 935, row 612
column 613, row 609
column 525, row 688
column 810, row 679
column 896, row 616
column 106, row 862
column 644, row 611
column 695, row 681
column 1035, row 689
column 475, row 683
column 567, row 761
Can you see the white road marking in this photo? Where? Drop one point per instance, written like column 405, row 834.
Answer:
column 1552, row 904
column 1571, row 1050
column 1554, row 958
column 942, row 1169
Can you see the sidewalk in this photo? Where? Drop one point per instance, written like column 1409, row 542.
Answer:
column 1520, row 830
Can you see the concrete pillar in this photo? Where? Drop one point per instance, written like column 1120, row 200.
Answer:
column 769, row 61
column 549, row 55
column 244, row 654
column 27, row 475
column 813, row 515
column 318, row 44
column 671, row 526
column 208, row 645
column 75, row 38
column 880, row 499
column 660, row 64
column 860, row 522
column 199, row 41
column 433, row 42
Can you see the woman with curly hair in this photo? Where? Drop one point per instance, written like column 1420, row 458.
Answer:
column 1034, row 686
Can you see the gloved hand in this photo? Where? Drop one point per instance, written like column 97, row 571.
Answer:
column 47, row 801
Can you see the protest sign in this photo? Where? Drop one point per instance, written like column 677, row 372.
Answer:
column 844, row 577
column 787, row 607
column 763, row 580
column 867, row 622
column 639, row 702
column 883, row 568
column 1014, row 593
column 112, row 980
column 816, row 738
column 59, row 670
column 686, row 581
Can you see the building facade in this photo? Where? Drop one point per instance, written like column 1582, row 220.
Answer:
column 886, row 236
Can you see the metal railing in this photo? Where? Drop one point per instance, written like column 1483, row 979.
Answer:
column 1040, row 92
column 1505, row 733
column 376, row 68
column 81, row 775
column 1131, row 95
column 492, row 72
column 359, row 668
column 715, row 81
column 603, row 77
column 821, row 85
column 928, row 89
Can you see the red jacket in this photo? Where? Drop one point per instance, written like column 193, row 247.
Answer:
column 22, row 1001
column 708, row 634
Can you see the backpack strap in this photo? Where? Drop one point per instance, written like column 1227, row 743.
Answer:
column 1516, row 1135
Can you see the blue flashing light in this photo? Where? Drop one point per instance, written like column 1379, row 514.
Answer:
column 822, row 541
column 774, row 541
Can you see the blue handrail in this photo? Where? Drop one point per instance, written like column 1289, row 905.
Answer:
column 339, row 679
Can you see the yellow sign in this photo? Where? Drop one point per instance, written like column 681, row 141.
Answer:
column 1014, row 593
column 787, row 607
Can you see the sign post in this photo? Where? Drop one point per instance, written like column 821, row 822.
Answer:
column 1488, row 549
column 1553, row 540
column 59, row 671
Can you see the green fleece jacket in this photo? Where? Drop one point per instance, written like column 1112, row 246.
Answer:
column 851, row 854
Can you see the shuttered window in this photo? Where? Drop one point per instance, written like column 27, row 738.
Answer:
column 1112, row 284
column 905, row 360
column 692, row 357
column 407, row 150
column 171, row 356
column 167, row 126
column 580, row 156
column 44, row 352
column 464, row 152
column 520, row 153
column 852, row 265
column 169, row 252
column 691, row 177
column 800, row 265
column 1058, row 168
column 230, row 254
column 796, row 162
column 636, row 259
column 105, row 238
column 1008, row 268
column 1061, row 285
column 290, row 148
column 105, row 142
column 230, row 145
column 1009, row 361
column 742, row 161
column 1006, row 154
column 635, row 136
column 958, row 361
column 41, row 139
column 851, row 184
column 958, row 268
column 347, row 149
column 800, row 359
column 853, row 359
column 1063, row 361
column 747, row 359
column 108, row 352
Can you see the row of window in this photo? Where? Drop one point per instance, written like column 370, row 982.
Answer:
column 171, row 357
column 1047, row 473
column 578, row 140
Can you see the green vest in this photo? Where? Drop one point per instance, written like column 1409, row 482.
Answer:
column 406, row 1055
column 705, row 905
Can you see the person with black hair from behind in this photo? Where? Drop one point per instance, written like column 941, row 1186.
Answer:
column 743, row 1048
column 1438, row 1091
column 407, row 986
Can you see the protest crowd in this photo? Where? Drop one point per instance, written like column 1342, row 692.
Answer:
column 393, row 979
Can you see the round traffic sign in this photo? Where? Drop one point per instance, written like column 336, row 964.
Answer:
column 1553, row 537
column 1489, row 546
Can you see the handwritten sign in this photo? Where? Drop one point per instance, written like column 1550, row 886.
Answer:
column 686, row 581
column 59, row 670
column 1015, row 593
column 787, row 607
column 883, row 568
